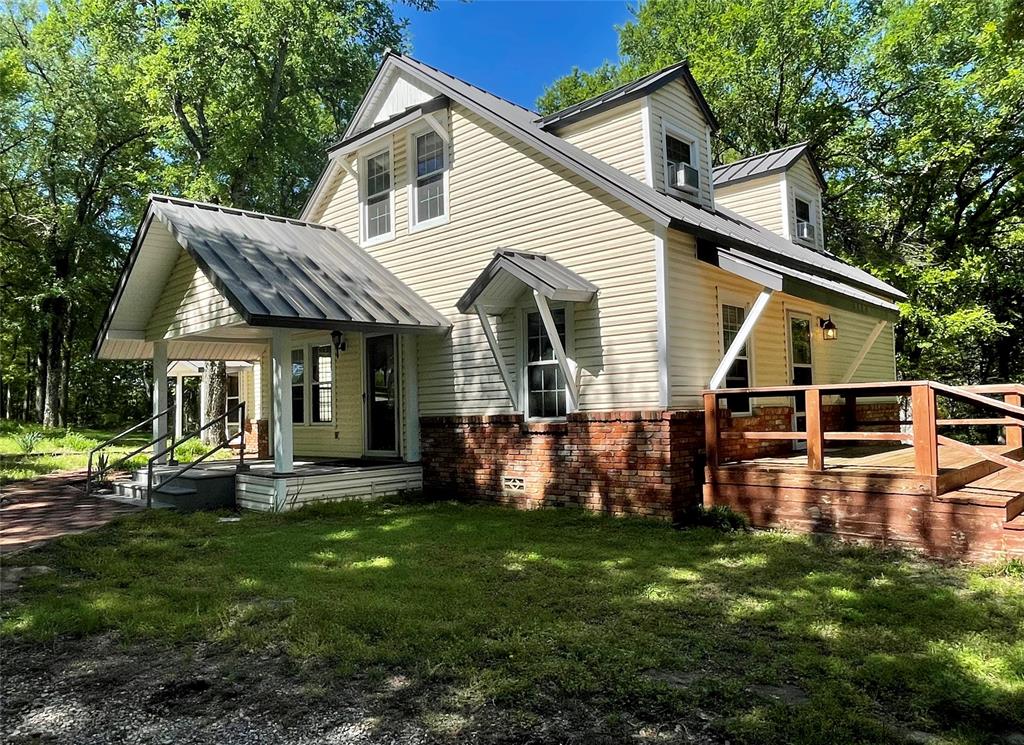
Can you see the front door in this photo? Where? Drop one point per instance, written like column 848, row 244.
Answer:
column 381, row 396
column 800, row 363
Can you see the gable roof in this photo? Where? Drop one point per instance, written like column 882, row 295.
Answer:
column 275, row 271
column 630, row 92
column 765, row 164
column 537, row 271
column 720, row 226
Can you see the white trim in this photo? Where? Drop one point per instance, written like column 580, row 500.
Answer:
column 318, row 192
column 364, row 155
column 784, row 197
column 160, row 397
column 662, row 296
column 281, row 397
column 437, row 126
column 864, row 349
column 711, row 169
column 746, row 329
column 349, row 164
column 812, row 212
column 411, row 402
column 556, row 345
column 791, row 365
column 492, row 342
column 679, row 132
column 367, row 393
column 522, row 381
column 647, row 126
column 410, row 160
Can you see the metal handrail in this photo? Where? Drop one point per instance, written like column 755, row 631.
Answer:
column 115, row 438
column 240, row 407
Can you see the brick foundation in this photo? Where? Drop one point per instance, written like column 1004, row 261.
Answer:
column 617, row 462
column 257, row 438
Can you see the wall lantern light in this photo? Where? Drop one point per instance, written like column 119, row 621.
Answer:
column 338, row 340
column 829, row 330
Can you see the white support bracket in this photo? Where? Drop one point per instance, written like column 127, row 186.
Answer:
column 349, row 166
column 864, row 349
column 746, row 328
column 438, row 126
column 492, row 342
column 556, row 344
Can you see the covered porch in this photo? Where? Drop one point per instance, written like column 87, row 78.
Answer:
column 329, row 338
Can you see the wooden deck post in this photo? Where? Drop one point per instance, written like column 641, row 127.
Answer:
column 1014, row 432
column 711, row 428
column 815, row 431
column 926, row 444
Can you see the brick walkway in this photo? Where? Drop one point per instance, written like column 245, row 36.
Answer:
column 48, row 507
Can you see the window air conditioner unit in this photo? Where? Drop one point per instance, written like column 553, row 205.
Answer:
column 687, row 177
column 805, row 231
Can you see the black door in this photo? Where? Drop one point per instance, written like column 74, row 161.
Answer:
column 381, row 395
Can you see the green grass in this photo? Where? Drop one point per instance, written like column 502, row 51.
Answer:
column 67, row 449
column 537, row 611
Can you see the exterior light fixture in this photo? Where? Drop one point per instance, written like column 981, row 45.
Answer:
column 829, row 330
column 338, row 340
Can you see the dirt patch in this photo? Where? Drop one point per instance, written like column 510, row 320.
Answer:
column 100, row 691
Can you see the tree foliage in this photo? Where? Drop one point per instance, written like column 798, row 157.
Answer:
column 914, row 109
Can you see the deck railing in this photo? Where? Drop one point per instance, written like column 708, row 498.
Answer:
column 921, row 430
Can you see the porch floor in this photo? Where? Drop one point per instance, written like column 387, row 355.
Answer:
column 264, row 467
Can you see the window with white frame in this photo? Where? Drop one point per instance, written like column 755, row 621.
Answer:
column 377, row 195
column 321, row 369
column 681, row 171
column 298, row 386
column 738, row 375
column 545, row 384
column 232, row 400
column 428, row 197
column 803, row 210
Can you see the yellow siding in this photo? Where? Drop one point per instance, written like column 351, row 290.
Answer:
column 674, row 104
column 758, row 199
column 616, row 137
column 188, row 304
column 696, row 291
column 504, row 194
column 800, row 180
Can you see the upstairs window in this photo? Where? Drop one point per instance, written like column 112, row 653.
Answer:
column 739, row 374
column 681, row 171
column 377, row 188
column 545, row 384
column 429, row 186
column 805, row 224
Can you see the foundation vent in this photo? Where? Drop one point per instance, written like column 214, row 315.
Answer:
column 513, row 484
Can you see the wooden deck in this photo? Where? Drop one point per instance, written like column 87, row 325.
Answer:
column 934, row 494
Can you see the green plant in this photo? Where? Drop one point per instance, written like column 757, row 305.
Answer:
column 718, row 517
column 28, row 440
column 191, row 450
column 75, row 442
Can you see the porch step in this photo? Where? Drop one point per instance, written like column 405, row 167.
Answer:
column 201, row 489
column 1016, row 523
column 1003, row 490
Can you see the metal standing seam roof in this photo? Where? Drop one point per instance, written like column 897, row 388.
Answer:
column 275, row 271
column 537, row 271
column 630, row 91
column 764, row 164
column 721, row 226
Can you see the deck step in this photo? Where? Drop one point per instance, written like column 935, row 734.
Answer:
column 1001, row 490
column 1016, row 523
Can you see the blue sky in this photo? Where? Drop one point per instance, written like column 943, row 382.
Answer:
column 516, row 48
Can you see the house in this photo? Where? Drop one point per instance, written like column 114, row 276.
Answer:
column 482, row 301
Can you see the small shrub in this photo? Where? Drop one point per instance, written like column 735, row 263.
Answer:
column 28, row 440
column 190, row 450
column 75, row 442
column 718, row 517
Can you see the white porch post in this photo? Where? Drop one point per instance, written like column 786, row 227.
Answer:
column 204, row 396
column 410, row 388
column 741, row 338
column 160, row 397
column 281, row 401
column 179, row 405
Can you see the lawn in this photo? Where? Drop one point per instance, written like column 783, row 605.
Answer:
column 519, row 617
column 68, row 449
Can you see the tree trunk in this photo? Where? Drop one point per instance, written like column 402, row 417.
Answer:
column 65, row 377
column 41, row 370
column 54, row 368
column 215, row 378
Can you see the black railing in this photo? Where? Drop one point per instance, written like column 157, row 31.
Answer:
column 106, row 467
column 239, row 409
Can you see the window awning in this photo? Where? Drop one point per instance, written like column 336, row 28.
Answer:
column 800, row 284
column 503, row 280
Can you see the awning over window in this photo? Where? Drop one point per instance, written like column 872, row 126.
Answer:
column 503, row 280
column 800, row 284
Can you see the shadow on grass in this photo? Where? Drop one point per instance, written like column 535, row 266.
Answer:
column 773, row 638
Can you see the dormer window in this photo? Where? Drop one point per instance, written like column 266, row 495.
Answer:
column 681, row 172
column 806, row 228
column 377, row 196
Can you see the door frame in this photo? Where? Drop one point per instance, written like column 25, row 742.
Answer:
column 791, row 365
column 367, row 392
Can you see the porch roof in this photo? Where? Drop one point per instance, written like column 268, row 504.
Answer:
column 503, row 280
column 273, row 271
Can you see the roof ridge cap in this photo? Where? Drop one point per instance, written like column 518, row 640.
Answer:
column 229, row 210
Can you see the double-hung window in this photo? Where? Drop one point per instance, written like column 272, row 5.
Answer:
column 377, row 195
column 321, row 370
column 545, row 384
column 428, row 202
column 739, row 373
column 298, row 386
